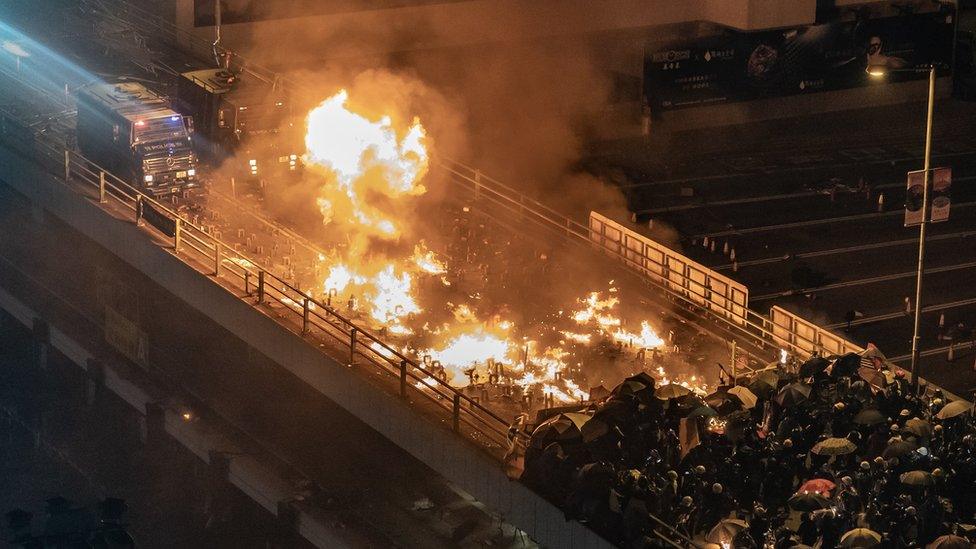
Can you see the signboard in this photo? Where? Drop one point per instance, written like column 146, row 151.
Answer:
column 158, row 219
column 126, row 337
column 913, row 198
column 741, row 66
column 939, row 201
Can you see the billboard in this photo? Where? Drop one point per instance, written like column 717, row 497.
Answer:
column 742, row 66
column 248, row 11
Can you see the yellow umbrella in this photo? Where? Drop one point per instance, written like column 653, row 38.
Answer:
column 917, row 478
column 726, row 530
column 747, row 397
column 834, row 447
column 919, row 427
column 954, row 408
column 860, row 537
column 671, row 390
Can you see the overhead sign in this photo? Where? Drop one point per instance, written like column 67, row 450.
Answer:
column 939, row 201
column 740, row 66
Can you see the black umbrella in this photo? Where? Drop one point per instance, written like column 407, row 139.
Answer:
column 793, row 394
column 688, row 402
column 641, row 386
column 703, row 411
column 723, row 402
column 559, row 428
column 813, row 366
column 869, row 416
column 808, row 501
column 846, row 365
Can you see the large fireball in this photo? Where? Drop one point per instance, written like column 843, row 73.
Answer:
column 364, row 157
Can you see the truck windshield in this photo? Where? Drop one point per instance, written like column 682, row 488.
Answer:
column 159, row 129
column 260, row 118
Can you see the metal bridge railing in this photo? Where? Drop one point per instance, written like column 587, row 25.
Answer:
column 740, row 321
column 197, row 247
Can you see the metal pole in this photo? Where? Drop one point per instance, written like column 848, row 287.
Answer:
column 138, row 208
column 457, row 412
column 403, row 378
column 177, row 234
column 921, row 230
column 101, row 187
column 216, row 258
column 261, row 286
column 733, row 362
column 352, row 345
column 67, row 165
column 305, row 316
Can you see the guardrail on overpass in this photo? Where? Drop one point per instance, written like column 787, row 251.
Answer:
column 310, row 318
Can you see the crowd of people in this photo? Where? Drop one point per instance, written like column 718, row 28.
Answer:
column 834, row 452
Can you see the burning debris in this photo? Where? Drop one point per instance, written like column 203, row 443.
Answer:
column 449, row 303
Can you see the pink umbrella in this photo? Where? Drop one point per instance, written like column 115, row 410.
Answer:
column 820, row 486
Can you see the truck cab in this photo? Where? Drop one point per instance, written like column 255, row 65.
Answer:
column 131, row 131
column 246, row 122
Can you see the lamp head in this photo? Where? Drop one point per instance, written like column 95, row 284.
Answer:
column 877, row 71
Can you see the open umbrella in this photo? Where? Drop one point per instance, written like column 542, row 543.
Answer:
column 594, row 429
column 725, row 531
column 703, row 411
column 869, row 416
column 599, row 392
column 813, row 366
column 950, row 542
column 873, row 352
column 820, row 486
column 793, row 394
column 846, row 365
column 671, row 390
column 860, row 537
column 834, row 447
column 559, row 428
column 723, row 402
column 919, row 427
column 747, row 397
column 764, row 383
column 688, row 402
column 635, row 387
column 954, row 408
column 917, row 478
column 898, row 448
column 872, row 376
column 808, row 501
column 768, row 377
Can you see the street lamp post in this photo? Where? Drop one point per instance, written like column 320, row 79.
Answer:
column 879, row 71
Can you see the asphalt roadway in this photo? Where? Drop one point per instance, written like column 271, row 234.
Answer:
column 785, row 197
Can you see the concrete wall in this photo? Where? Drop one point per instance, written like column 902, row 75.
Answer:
column 434, row 444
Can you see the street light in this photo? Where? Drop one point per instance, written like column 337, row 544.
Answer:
column 879, row 71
